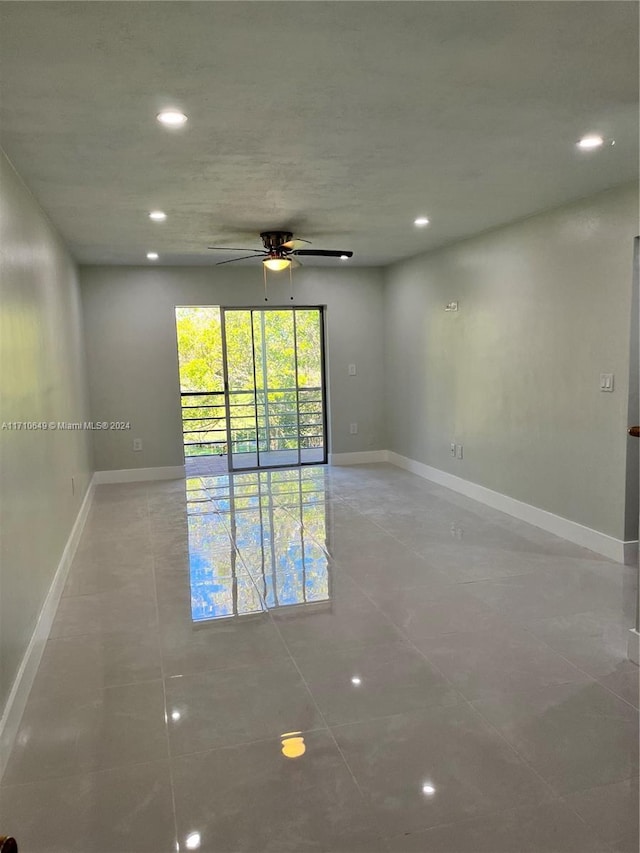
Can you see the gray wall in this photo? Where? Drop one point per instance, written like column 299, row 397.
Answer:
column 514, row 375
column 633, row 412
column 41, row 379
column 129, row 316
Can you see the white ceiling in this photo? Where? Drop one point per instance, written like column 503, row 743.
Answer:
column 341, row 121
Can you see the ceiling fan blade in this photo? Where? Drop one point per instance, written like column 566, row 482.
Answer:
column 233, row 260
column 295, row 263
column 233, row 249
column 294, row 244
column 322, row 253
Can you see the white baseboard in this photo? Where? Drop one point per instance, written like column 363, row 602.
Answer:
column 23, row 681
column 634, row 646
column 139, row 475
column 631, row 552
column 362, row 457
column 601, row 543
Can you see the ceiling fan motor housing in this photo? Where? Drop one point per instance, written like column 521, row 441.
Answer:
column 272, row 240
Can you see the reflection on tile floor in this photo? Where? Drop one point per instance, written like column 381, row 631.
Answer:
column 345, row 660
column 266, row 526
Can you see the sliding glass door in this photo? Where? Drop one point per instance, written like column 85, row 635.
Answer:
column 274, row 382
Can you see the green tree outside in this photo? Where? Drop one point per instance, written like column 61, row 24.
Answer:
column 271, row 381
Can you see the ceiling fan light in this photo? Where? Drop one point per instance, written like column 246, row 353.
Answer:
column 277, row 264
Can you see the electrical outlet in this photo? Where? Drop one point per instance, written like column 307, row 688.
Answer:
column 456, row 532
column 459, row 451
column 453, row 448
column 137, row 444
column 353, row 429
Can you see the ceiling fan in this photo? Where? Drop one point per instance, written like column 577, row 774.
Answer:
column 281, row 251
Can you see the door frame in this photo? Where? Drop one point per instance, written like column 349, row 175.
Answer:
column 323, row 377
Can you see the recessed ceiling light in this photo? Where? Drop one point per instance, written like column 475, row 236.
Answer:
column 356, row 680
column 428, row 789
column 588, row 143
column 172, row 118
column 344, row 257
column 421, row 221
column 152, row 256
column 158, row 215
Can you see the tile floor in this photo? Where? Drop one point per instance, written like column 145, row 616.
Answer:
column 346, row 660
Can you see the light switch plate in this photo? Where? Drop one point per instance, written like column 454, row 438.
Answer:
column 352, row 370
column 606, row 381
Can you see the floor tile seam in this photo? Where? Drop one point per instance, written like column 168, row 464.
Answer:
column 593, row 678
column 91, row 771
column 497, row 610
column 232, row 541
column 154, row 626
column 96, row 528
column 475, row 712
column 309, row 537
column 636, row 708
column 490, row 631
column 122, row 765
column 112, row 564
column 364, row 800
column 520, row 692
column 526, row 763
column 402, row 633
column 51, row 639
column 610, row 623
column 140, row 514
column 241, row 744
column 70, row 693
column 164, row 699
column 260, row 665
column 358, row 646
column 235, row 546
column 563, row 799
column 419, row 553
column 478, row 816
column 435, row 706
column 493, row 577
column 105, row 524
column 75, row 595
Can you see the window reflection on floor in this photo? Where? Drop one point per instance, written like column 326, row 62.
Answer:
column 256, row 542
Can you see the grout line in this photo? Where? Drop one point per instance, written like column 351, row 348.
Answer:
column 164, row 696
column 365, row 801
column 593, row 678
column 240, row 744
column 88, row 772
column 464, row 699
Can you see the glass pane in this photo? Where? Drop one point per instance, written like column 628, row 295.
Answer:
column 199, row 337
column 242, row 398
column 276, row 411
column 280, row 415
